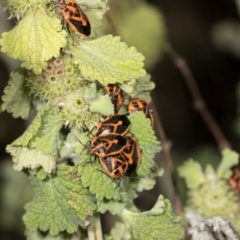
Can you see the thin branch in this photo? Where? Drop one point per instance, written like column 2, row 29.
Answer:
column 166, row 145
column 198, row 101
column 238, row 6
column 111, row 23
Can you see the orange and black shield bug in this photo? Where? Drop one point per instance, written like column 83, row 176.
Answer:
column 116, row 94
column 116, row 123
column 132, row 154
column 234, row 180
column 111, row 144
column 137, row 105
column 76, row 18
column 115, row 166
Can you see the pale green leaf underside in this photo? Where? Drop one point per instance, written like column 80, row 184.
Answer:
column 147, row 141
column 60, row 203
column 24, row 157
column 193, row 174
column 36, row 39
column 102, row 105
column 108, row 60
column 16, row 99
column 158, row 223
column 230, row 158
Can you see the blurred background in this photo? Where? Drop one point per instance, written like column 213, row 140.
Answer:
column 206, row 34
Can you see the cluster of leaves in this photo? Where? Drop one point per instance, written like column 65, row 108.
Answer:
column 209, row 192
column 62, row 77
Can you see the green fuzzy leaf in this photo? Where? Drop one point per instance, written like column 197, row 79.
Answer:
column 108, row 60
column 16, row 99
column 147, row 141
column 102, row 105
column 60, row 203
column 38, row 235
column 230, row 158
column 30, row 158
column 39, row 145
column 193, row 174
column 158, row 223
column 98, row 182
column 112, row 206
column 43, row 133
column 32, row 130
column 36, row 39
column 47, row 138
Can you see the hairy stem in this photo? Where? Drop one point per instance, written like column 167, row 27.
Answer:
column 94, row 229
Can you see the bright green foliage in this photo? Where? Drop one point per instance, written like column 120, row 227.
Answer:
column 102, row 105
column 36, row 39
column 40, row 144
column 65, row 83
column 108, row 60
column 147, row 141
column 230, row 159
column 60, row 202
column 210, row 194
column 192, row 172
column 16, row 99
column 158, row 223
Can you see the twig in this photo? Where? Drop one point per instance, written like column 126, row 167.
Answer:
column 238, row 6
column 166, row 146
column 113, row 26
column 199, row 103
column 94, row 229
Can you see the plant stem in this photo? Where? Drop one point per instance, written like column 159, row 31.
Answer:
column 238, row 6
column 94, row 229
column 166, row 146
column 199, row 103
